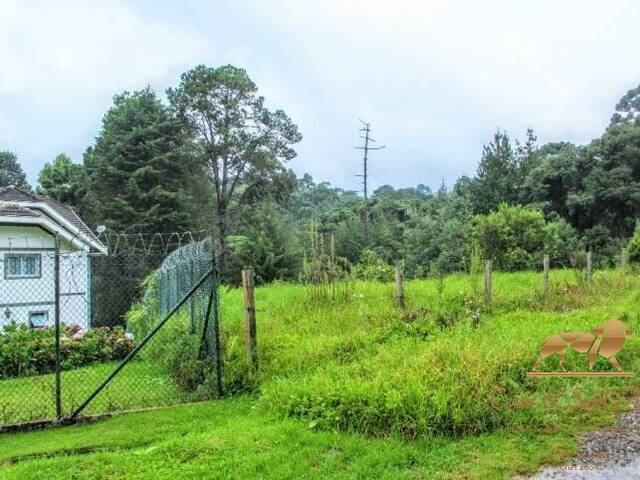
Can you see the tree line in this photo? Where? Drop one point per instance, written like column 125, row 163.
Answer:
column 212, row 156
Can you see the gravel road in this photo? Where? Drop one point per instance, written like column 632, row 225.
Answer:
column 612, row 453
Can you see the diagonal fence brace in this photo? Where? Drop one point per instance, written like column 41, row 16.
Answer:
column 143, row 342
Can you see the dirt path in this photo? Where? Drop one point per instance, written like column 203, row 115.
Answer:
column 612, row 453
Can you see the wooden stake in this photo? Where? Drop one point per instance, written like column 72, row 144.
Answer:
column 399, row 288
column 545, row 275
column 589, row 266
column 250, row 312
column 488, row 266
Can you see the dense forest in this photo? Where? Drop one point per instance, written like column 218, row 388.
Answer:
column 212, row 156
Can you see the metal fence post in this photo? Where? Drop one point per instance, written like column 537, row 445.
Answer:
column 192, row 309
column 623, row 260
column 217, row 360
column 56, row 289
column 589, row 265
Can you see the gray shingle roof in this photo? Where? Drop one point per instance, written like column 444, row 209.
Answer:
column 15, row 196
column 12, row 194
column 69, row 215
column 8, row 209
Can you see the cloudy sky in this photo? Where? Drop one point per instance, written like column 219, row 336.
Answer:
column 434, row 78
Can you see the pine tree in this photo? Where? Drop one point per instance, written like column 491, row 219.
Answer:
column 140, row 173
column 497, row 177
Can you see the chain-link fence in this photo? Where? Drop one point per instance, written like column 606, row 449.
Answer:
column 85, row 332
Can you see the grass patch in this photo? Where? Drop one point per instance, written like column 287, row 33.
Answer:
column 230, row 439
column 141, row 384
column 360, row 389
column 438, row 367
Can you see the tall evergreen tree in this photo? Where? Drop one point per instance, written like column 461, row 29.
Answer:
column 140, row 171
column 497, row 175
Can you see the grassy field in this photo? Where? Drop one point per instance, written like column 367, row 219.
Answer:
column 350, row 387
column 232, row 439
column 140, row 384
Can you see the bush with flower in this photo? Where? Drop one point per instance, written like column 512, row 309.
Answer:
column 27, row 351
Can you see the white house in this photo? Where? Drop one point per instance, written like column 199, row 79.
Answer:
column 29, row 225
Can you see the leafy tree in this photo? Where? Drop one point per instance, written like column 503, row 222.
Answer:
column 436, row 242
column 512, row 236
column 628, row 108
column 372, row 267
column 553, row 179
column 140, row 172
column 62, row 180
column 334, row 211
column 266, row 244
column 237, row 137
column 11, row 172
column 610, row 193
column 560, row 241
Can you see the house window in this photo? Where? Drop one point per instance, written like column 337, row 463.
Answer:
column 21, row 265
column 37, row 319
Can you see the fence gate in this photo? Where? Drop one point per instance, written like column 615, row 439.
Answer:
column 97, row 333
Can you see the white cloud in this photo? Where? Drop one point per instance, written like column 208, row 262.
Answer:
column 434, row 78
column 437, row 78
column 63, row 61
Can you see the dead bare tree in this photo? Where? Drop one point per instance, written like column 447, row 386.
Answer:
column 365, row 175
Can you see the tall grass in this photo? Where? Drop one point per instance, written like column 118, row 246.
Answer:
column 439, row 366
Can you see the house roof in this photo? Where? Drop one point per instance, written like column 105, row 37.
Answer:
column 12, row 194
column 69, row 215
column 8, row 209
column 22, row 202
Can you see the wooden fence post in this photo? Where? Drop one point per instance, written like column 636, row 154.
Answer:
column 545, row 275
column 399, row 289
column 623, row 260
column 250, row 312
column 488, row 266
column 589, row 265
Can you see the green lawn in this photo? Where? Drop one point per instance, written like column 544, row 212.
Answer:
column 351, row 387
column 231, row 439
column 140, row 384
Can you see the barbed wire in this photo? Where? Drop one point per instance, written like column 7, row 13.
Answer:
column 114, row 244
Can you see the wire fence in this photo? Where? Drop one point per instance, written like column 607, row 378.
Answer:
column 84, row 332
column 133, row 325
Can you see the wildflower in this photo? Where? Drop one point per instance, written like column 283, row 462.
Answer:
column 79, row 335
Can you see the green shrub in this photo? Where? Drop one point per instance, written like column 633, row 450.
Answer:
column 26, row 351
column 176, row 346
column 516, row 238
column 372, row 267
column 560, row 241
